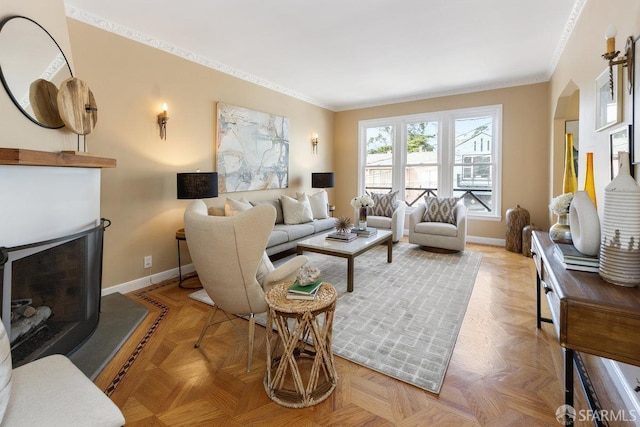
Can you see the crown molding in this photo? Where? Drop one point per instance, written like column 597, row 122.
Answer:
column 440, row 94
column 129, row 33
column 564, row 38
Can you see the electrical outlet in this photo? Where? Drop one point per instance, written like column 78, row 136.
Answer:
column 148, row 261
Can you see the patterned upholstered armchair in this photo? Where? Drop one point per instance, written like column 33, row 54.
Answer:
column 388, row 214
column 439, row 223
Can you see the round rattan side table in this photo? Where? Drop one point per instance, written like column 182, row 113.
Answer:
column 300, row 367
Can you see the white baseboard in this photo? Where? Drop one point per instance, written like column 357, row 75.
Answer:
column 486, row 241
column 480, row 240
column 143, row 282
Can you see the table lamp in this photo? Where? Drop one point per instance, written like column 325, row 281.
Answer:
column 194, row 185
column 323, row 180
column 197, row 185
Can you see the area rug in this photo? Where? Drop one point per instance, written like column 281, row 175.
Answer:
column 403, row 318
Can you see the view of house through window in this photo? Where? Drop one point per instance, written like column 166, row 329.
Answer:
column 451, row 153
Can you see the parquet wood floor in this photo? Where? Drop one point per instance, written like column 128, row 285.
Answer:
column 503, row 372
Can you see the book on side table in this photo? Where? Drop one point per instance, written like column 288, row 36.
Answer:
column 572, row 259
column 309, row 292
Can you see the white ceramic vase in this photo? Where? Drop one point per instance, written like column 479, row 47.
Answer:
column 585, row 224
column 620, row 244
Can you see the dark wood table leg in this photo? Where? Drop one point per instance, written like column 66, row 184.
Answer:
column 350, row 274
column 538, row 307
column 390, row 249
column 568, row 376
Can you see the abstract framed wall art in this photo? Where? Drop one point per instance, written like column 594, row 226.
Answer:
column 252, row 150
column 619, row 140
column 608, row 99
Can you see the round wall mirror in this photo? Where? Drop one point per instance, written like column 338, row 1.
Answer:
column 32, row 66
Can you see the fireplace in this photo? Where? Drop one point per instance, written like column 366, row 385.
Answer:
column 51, row 291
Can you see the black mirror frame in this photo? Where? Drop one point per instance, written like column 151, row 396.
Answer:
column 6, row 84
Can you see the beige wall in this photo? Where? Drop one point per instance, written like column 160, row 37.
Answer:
column 578, row 68
column 525, row 147
column 130, row 82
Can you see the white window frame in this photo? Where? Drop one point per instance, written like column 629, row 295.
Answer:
column 446, row 150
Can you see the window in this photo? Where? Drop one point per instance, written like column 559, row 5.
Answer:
column 448, row 153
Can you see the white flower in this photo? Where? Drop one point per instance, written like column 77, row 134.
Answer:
column 560, row 205
column 362, row 202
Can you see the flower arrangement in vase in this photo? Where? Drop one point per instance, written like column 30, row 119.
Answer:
column 362, row 203
column 560, row 232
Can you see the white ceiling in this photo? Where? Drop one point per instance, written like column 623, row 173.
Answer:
column 345, row 54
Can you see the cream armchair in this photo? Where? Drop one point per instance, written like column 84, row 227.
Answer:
column 395, row 223
column 439, row 234
column 52, row 392
column 227, row 253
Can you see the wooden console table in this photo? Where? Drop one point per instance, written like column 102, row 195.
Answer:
column 589, row 315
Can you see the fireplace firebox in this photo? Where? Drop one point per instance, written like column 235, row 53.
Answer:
column 51, row 290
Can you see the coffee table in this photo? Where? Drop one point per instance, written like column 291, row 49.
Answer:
column 349, row 250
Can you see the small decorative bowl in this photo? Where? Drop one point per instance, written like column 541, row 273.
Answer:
column 307, row 275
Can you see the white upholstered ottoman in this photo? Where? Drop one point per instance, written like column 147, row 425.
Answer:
column 51, row 392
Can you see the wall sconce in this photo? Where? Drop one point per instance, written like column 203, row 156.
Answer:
column 314, row 142
column 612, row 54
column 162, row 121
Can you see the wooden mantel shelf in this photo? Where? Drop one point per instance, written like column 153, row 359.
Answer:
column 19, row 156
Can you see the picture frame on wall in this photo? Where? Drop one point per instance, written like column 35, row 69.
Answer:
column 252, row 150
column 635, row 155
column 619, row 140
column 608, row 106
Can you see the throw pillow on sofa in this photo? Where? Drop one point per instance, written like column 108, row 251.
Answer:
column 296, row 211
column 265, row 267
column 214, row 211
column 440, row 209
column 276, row 204
column 232, row 207
column 384, row 204
column 319, row 204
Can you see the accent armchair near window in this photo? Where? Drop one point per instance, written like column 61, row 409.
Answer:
column 439, row 234
column 395, row 223
column 387, row 213
column 227, row 253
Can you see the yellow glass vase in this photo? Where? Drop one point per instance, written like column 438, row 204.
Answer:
column 569, row 183
column 589, row 185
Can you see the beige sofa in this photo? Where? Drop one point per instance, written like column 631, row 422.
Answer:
column 286, row 234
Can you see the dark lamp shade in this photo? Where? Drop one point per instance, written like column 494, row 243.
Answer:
column 322, row 180
column 197, row 185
